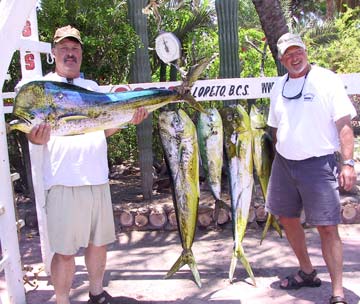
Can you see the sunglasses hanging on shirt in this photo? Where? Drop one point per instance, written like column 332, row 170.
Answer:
column 298, row 95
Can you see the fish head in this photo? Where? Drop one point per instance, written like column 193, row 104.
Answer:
column 27, row 101
column 170, row 124
column 235, row 119
column 257, row 118
column 210, row 122
column 229, row 117
column 31, row 106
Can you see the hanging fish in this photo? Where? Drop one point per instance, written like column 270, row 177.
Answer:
column 211, row 139
column 263, row 157
column 73, row 110
column 179, row 140
column 238, row 148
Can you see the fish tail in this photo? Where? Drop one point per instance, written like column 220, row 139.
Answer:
column 238, row 254
column 186, row 258
column 193, row 103
column 271, row 220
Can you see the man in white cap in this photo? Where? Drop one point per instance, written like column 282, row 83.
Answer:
column 75, row 172
column 310, row 115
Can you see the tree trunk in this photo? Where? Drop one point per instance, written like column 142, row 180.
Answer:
column 141, row 72
column 330, row 9
column 227, row 15
column 274, row 25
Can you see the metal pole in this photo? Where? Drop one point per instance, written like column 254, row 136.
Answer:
column 10, row 31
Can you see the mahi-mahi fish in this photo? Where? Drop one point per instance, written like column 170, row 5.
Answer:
column 211, row 138
column 179, row 140
column 238, row 148
column 73, row 110
column 263, row 156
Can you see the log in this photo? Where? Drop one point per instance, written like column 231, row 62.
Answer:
column 141, row 217
column 172, row 218
column 126, row 218
column 204, row 216
column 252, row 215
column 223, row 216
column 157, row 217
column 261, row 214
column 349, row 214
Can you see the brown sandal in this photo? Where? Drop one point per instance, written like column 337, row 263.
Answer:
column 103, row 298
column 308, row 280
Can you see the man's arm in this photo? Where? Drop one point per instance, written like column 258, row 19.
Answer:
column 347, row 176
column 273, row 136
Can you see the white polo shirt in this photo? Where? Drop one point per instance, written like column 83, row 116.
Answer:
column 306, row 126
column 79, row 159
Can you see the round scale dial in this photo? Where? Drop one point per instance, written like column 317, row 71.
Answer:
column 168, row 47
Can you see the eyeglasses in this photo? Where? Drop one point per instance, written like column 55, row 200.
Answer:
column 298, row 95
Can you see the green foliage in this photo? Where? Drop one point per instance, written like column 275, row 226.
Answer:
column 122, row 146
column 248, row 17
column 342, row 54
column 254, row 52
column 109, row 40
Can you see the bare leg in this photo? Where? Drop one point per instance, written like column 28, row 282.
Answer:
column 62, row 273
column 95, row 260
column 296, row 237
column 333, row 255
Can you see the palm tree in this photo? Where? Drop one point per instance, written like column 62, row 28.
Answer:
column 274, row 25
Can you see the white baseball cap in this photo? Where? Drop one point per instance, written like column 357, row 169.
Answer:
column 287, row 40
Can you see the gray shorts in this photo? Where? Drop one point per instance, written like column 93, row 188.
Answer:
column 309, row 184
column 77, row 216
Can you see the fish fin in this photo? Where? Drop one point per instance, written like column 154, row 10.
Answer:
column 232, row 267
column 271, row 220
column 18, row 124
column 238, row 254
column 186, row 257
column 177, row 265
column 193, row 103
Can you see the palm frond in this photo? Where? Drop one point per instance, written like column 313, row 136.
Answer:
column 323, row 33
column 198, row 19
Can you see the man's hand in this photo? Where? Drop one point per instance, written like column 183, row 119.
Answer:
column 40, row 134
column 139, row 115
column 347, row 177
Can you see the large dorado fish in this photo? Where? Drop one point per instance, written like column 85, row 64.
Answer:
column 263, row 157
column 238, row 148
column 211, row 140
column 178, row 136
column 73, row 110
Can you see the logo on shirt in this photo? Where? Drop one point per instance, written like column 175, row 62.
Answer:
column 309, row 97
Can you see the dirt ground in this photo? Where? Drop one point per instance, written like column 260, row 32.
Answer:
column 139, row 260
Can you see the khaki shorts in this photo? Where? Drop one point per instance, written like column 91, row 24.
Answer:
column 77, row 216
